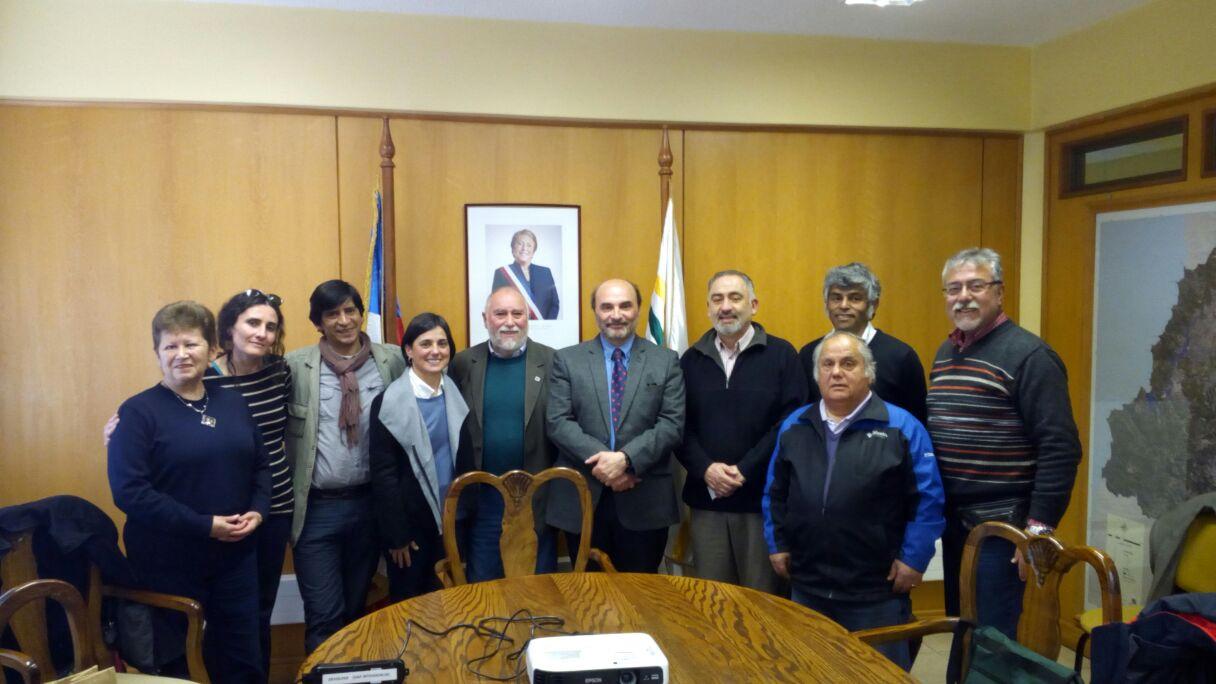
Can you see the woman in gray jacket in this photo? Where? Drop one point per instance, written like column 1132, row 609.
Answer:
column 415, row 439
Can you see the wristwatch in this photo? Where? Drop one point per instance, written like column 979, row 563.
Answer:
column 1039, row 529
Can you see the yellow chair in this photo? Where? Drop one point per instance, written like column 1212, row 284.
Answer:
column 1194, row 575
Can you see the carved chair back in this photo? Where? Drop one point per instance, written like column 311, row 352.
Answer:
column 518, row 543
column 1048, row 560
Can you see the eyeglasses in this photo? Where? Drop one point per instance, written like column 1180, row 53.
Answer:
column 272, row 299
column 973, row 286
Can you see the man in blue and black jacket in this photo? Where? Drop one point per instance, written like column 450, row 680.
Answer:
column 853, row 503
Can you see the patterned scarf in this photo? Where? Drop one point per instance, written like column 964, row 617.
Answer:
column 347, row 372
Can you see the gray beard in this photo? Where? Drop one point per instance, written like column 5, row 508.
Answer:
column 508, row 346
column 729, row 328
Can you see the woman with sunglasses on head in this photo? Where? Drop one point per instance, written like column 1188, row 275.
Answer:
column 251, row 331
column 415, row 438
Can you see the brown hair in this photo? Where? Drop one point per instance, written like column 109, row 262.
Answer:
column 180, row 316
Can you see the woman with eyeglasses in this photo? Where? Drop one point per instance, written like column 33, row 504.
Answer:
column 251, row 332
column 250, row 347
column 415, row 438
column 188, row 466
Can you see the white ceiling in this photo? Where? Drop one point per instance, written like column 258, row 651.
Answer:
column 999, row 22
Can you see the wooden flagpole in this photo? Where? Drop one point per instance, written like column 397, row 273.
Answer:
column 665, row 161
column 387, row 151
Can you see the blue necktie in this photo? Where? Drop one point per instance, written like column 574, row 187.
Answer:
column 617, row 391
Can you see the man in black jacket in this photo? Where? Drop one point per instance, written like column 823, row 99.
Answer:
column 740, row 383
column 850, row 296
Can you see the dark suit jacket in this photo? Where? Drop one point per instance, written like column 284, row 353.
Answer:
column 652, row 421
column 543, row 289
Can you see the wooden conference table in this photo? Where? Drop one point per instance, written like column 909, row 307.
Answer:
column 709, row 631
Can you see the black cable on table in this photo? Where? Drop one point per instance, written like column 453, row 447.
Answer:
column 543, row 623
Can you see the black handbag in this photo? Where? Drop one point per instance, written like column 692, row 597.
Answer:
column 1012, row 511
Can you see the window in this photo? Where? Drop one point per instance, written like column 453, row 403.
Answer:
column 1209, row 142
column 1145, row 155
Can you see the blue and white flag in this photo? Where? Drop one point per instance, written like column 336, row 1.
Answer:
column 374, row 284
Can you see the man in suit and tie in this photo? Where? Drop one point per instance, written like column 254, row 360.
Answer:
column 505, row 382
column 616, row 412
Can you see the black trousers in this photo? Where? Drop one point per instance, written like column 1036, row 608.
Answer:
column 223, row 577
column 272, row 539
column 629, row 550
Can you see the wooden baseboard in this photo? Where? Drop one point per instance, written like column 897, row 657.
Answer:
column 287, row 652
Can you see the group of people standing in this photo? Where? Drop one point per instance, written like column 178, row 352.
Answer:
column 810, row 473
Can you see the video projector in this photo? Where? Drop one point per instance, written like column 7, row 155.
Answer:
column 596, row 659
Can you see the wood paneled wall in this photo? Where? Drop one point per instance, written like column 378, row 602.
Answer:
column 107, row 213
column 1068, row 272
column 786, row 207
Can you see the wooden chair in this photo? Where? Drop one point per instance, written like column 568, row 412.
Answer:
column 23, row 596
column 518, row 542
column 1039, row 627
column 19, row 567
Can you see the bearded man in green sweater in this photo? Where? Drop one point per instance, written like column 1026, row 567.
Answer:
column 505, row 382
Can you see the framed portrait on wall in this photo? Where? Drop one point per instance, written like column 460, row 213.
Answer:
column 533, row 248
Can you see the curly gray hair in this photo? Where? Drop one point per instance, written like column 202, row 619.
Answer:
column 851, row 276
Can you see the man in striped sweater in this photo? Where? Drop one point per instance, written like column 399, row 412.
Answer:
column 1003, row 432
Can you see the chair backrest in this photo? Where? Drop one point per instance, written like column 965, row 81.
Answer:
column 28, row 598
column 18, row 567
column 29, row 626
column 1048, row 560
column 1195, row 573
column 518, row 543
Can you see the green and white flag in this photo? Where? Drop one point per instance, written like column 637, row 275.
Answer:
column 668, row 325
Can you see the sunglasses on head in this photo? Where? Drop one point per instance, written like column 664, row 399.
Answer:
column 272, row 299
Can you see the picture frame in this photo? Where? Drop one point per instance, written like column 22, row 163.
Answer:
column 548, row 270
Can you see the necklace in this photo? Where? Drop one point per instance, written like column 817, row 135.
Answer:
column 207, row 420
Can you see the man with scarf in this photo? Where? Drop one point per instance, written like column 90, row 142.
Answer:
column 333, row 533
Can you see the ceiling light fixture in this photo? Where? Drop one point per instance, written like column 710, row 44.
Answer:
column 882, row 3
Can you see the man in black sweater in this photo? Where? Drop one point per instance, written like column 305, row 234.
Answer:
column 850, row 296
column 741, row 382
column 1003, row 431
